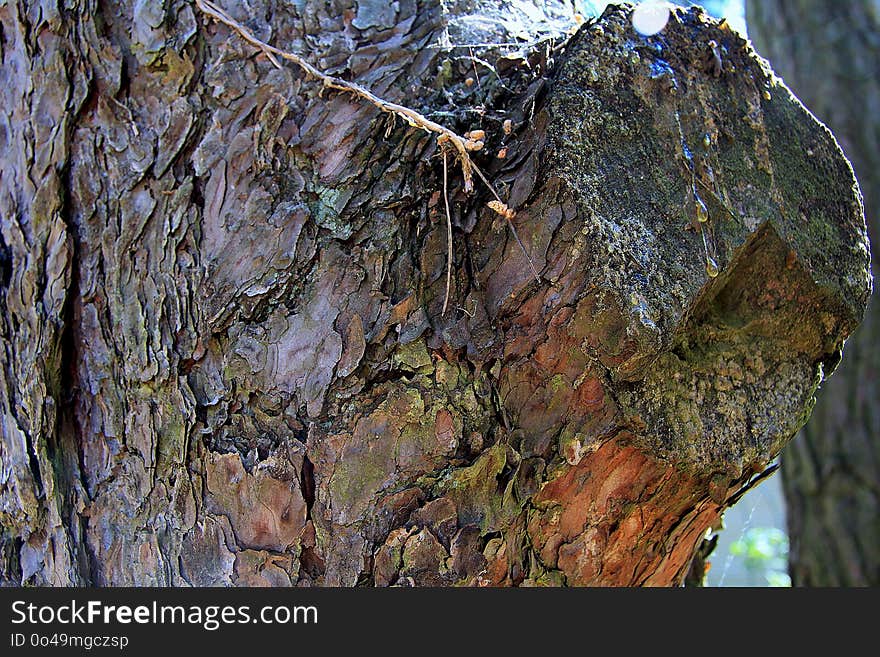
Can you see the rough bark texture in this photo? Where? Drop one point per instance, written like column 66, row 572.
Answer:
column 224, row 355
column 828, row 53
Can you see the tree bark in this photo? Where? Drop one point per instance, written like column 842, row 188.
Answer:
column 225, row 358
column 827, row 52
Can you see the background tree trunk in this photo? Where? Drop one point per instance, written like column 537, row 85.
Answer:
column 225, row 358
column 828, row 53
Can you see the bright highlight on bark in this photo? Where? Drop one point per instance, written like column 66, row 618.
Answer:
column 650, row 17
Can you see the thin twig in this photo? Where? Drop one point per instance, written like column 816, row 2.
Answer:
column 448, row 238
column 474, row 64
column 470, row 313
column 488, row 184
column 526, row 253
column 715, row 197
column 500, row 44
column 413, row 118
column 409, row 115
column 510, row 224
column 131, row 121
column 749, row 485
column 476, row 60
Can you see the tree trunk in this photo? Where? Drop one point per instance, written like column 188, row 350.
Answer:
column 226, row 359
column 827, row 52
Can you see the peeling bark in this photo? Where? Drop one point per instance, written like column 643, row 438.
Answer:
column 226, row 360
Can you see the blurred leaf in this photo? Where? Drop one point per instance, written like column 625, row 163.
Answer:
column 776, row 578
column 764, row 550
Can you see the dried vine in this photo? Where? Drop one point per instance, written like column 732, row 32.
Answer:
column 447, row 139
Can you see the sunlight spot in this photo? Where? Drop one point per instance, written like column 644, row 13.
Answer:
column 650, row 17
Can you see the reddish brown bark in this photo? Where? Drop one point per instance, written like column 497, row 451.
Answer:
column 241, row 280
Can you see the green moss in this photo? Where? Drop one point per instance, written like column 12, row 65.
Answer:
column 447, row 375
column 358, row 477
column 552, row 578
column 444, row 75
column 326, row 209
column 413, row 356
column 474, row 490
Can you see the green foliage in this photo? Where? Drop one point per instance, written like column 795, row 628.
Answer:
column 764, row 551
